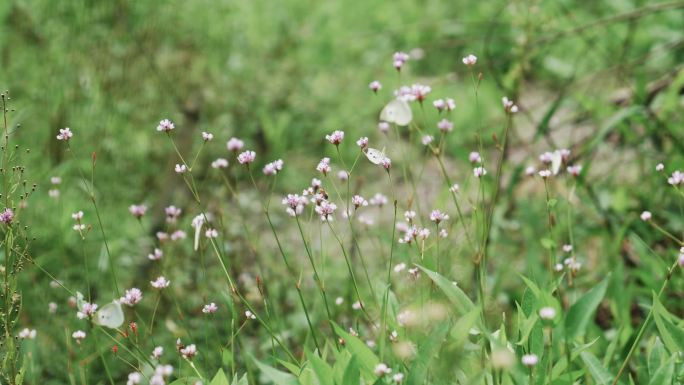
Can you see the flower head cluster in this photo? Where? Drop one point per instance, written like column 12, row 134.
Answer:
column 180, row 169
column 156, row 255
column 219, row 163
column 378, row 200
column 273, row 167
column 474, row 157
column 359, row 201
column 509, row 106
column 207, row 136
column 78, row 335
column 324, row 166
column 420, row 91
column 131, row 297
column 386, row 163
column 6, row 216
column 375, row 86
column 235, row 144
column 326, row 209
column 529, row 360
column 161, row 374
column 382, row 369
column 134, row 378
column 470, row 60
column 574, row 170
column 188, row 352
column 172, row 214
column 160, row 283
column 246, row 157
column 65, row 134
column 336, row 137
column 209, row 308
column 438, row 216
column 77, row 216
column 412, row 233
column 166, row 126
column 178, row 234
column 27, row 334
column 445, row 126
column 54, row 192
column 362, row 142
column 295, row 204
column 399, row 59
column 676, row 179
column 444, row 105
column 479, row 172
column 87, row 310
column 157, row 352
column 137, row 210
column 547, row 313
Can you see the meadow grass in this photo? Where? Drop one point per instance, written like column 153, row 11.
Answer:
column 323, row 193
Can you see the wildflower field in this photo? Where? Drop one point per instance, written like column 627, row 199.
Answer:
column 342, row 193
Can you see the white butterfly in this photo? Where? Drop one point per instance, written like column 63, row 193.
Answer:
column 375, row 156
column 110, row 315
column 397, row 111
column 556, row 161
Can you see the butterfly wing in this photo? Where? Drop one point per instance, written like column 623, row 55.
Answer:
column 110, row 315
column 375, row 156
column 79, row 301
column 556, row 161
column 397, row 111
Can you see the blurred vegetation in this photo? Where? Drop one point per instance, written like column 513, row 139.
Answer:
column 604, row 78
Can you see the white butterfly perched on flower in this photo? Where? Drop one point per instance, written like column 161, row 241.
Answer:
column 375, row 156
column 110, row 315
column 397, row 111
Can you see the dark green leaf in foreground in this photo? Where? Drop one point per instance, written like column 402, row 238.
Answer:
column 580, row 313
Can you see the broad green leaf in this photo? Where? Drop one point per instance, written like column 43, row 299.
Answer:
column 220, row 378
column 461, row 329
column 308, row 377
column 276, row 376
column 451, row 290
column 665, row 373
column 526, row 329
column 580, row 313
column 294, row 369
column 185, row 381
column 352, row 376
column 531, row 285
column 672, row 335
column 241, row 381
column 427, row 350
column 359, row 350
column 548, row 243
column 323, row 371
column 597, row 371
column 656, row 356
column 560, row 367
column 342, row 359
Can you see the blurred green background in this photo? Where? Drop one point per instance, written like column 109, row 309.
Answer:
column 602, row 77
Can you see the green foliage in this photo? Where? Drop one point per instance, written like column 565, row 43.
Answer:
column 580, row 313
column 602, row 79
